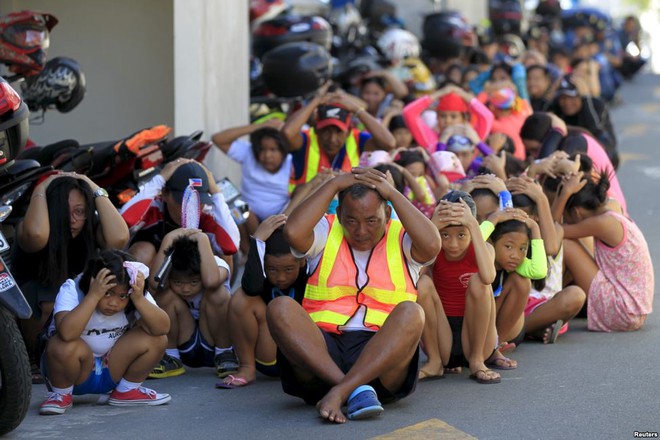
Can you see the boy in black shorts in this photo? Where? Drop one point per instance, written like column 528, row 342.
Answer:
column 271, row 271
column 196, row 299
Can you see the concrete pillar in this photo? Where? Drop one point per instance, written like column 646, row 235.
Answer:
column 211, row 71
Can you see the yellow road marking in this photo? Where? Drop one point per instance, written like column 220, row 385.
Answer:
column 428, row 429
column 651, row 108
column 635, row 129
column 625, row 157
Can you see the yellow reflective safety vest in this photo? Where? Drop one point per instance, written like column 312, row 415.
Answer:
column 316, row 159
column 332, row 295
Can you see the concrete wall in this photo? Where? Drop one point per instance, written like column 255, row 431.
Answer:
column 125, row 50
column 211, row 71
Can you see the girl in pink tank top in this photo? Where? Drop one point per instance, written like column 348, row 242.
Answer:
column 618, row 278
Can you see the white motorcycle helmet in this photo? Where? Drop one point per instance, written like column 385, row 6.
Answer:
column 398, row 44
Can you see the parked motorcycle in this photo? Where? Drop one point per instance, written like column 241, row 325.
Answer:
column 15, row 381
column 121, row 166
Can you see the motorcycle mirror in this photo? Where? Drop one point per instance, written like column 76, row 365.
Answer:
column 4, row 212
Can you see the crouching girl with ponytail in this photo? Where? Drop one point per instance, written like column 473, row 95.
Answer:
column 618, row 278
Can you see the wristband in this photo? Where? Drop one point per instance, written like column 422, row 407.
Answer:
column 487, row 227
column 505, row 200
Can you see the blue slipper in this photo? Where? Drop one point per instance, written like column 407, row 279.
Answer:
column 363, row 403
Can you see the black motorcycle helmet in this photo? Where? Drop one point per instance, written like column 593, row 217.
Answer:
column 289, row 29
column 13, row 123
column 505, row 16
column 296, row 69
column 444, row 34
column 61, row 84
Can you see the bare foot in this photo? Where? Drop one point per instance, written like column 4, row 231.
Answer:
column 455, row 370
column 329, row 407
column 430, row 370
column 247, row 372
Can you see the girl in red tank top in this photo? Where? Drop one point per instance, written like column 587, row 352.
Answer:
column 451, row 278
column 464, row 307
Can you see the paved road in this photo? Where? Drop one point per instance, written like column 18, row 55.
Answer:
column 588, row 385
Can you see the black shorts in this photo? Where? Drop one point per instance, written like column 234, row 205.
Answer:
column 196, row 352
column 456, row 358
column 36, row 293
column 344, row 349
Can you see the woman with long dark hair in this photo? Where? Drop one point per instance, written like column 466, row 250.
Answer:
column 68, row 220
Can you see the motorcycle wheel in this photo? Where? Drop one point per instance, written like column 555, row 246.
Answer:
column 15, row 381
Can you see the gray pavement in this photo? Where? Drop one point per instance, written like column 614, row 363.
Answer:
column 587, row 385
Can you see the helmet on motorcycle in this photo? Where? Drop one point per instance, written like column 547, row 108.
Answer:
column 296, row 69
column 61, row 85
column 445, row 33
column 422, row 80
column 512, row 45
column 549, row 10
column 13, row 123
column 188, row 147
column 505, row 16
column 24, row 38
column 348, row 73
column 398, row 44
column 380, row 14
column 289, row 29
column 262, row 10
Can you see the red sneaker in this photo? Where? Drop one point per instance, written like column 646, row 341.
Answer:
column 138, row 396
column 56, row 404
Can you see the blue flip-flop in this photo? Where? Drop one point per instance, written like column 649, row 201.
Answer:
column 363, row 403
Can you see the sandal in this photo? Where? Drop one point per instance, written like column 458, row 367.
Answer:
column 425, row 376
column 232, row 382
column 475, row 376
column 363, row 403
column 500, row 363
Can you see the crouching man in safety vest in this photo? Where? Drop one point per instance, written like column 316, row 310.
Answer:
column 355, row 338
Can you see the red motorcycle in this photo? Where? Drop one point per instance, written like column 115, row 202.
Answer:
column 15, row 382
column 120, row 166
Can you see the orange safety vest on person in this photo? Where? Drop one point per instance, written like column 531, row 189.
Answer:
column 316, row 159
column 332, row 295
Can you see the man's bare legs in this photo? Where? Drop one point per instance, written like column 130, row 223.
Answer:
column 386, row 356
